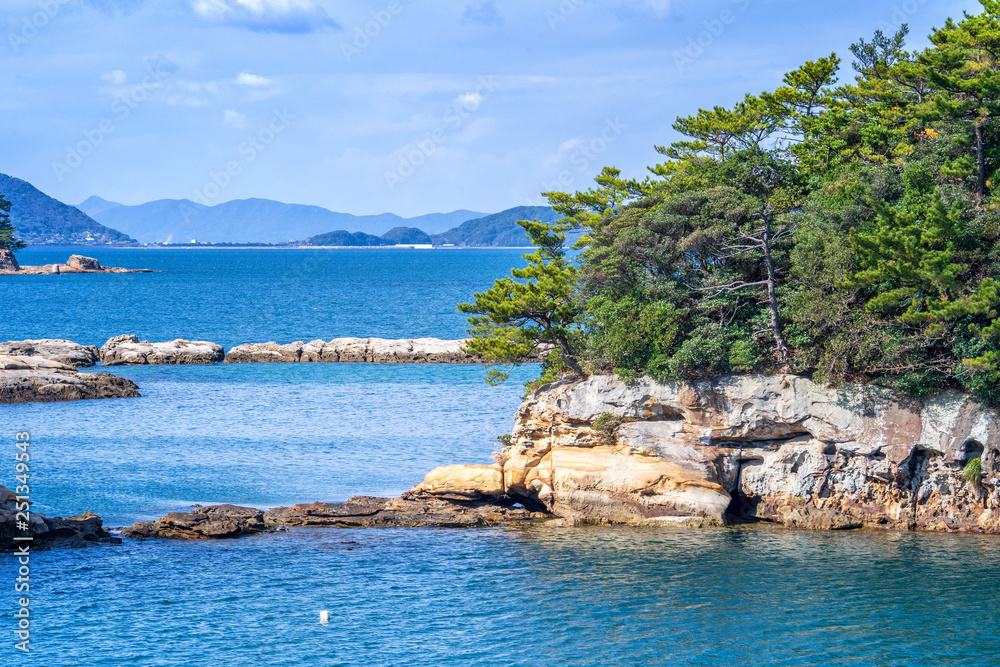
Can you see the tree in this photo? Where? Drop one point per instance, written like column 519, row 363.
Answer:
column 7, row 239
column 530, row 312
column 965, row 66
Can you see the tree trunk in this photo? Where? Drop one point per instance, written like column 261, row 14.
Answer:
column 779, row 340
column 980, row 162
column 568, row 357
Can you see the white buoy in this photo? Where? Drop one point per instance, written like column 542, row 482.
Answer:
column 324, row 617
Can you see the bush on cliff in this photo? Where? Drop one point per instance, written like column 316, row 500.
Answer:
column 845, row 230
column 7, row 239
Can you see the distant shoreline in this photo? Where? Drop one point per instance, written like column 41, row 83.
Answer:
column 206, row 246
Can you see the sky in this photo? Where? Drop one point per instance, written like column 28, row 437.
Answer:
column 402, row 106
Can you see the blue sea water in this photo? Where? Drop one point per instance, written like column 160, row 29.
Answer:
column 268, row 435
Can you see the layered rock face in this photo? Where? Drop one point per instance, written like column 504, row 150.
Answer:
column 130, row 351
column 64, row 351
column 355, row 350
column 74, row 531
column 75, row 264
column 778, row 448
column 29, row 379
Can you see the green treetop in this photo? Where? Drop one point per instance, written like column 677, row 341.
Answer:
column 7, row 239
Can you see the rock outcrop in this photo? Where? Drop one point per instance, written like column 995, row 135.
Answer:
column 411, row 510
column 8, row 262
column 130, row 351
column 29, row 379
column 782, row 449
column 216, row 522
column 86, row 528
column 355, row 350
column 63, row 351
column 75, row 264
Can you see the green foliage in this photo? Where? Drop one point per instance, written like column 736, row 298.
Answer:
column 973, row 470
column 606, row 424
column 532, row 310
column 7, row 239
column 843, row 230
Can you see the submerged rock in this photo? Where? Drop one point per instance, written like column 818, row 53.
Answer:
column 780, row 448
column 356, row 350
column 29, row 379
column 63, row 351
column 74, row 531
column 129, row 350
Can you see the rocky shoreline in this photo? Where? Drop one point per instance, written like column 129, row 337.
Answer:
column 75, row 264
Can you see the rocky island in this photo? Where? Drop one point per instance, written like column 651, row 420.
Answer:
column 28, row 379
column 75, row 264
column 737, row 449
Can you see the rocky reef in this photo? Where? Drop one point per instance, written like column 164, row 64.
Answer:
column 75, row 264
column 355, row 350
column 130, row 351
column 782, row 449
column 411, row 510
column 75, row 531
column 29, row 379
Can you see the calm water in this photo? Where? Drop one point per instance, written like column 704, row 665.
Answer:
column 277, row 434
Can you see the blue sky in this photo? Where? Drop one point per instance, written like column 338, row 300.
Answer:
column 407, row 106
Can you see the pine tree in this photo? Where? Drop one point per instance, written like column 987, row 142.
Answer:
column 7, row 239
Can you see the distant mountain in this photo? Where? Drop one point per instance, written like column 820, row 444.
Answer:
column 497, row 230
column 250, row 221
column 406, row 235
column 39, row 218
column 95, row 205
column 344, row 238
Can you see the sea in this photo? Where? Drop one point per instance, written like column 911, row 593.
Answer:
column 277, row 434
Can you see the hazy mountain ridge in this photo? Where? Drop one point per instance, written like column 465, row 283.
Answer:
column 251, row 221
column 39, row 218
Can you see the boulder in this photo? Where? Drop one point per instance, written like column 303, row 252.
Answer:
column 83, row 263
column 74, row 531
column 28, row 379
column 129, row 350
column 63, row 351
column 264, row 353
column 782, row 449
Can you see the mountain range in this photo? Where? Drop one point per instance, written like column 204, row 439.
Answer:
column 250, row 221
column 40, row 219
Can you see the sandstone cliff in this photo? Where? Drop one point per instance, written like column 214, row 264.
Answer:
column 781, row 448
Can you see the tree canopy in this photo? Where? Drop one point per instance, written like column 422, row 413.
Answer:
column 844, row 230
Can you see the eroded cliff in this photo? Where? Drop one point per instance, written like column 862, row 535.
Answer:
column 775, row 448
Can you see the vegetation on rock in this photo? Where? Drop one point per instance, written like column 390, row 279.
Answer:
column 845, row 230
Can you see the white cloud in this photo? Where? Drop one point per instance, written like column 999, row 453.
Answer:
column 248, row 79
column 470, row 101
column 116, row 77
column 235, row 118
column 284, row 16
